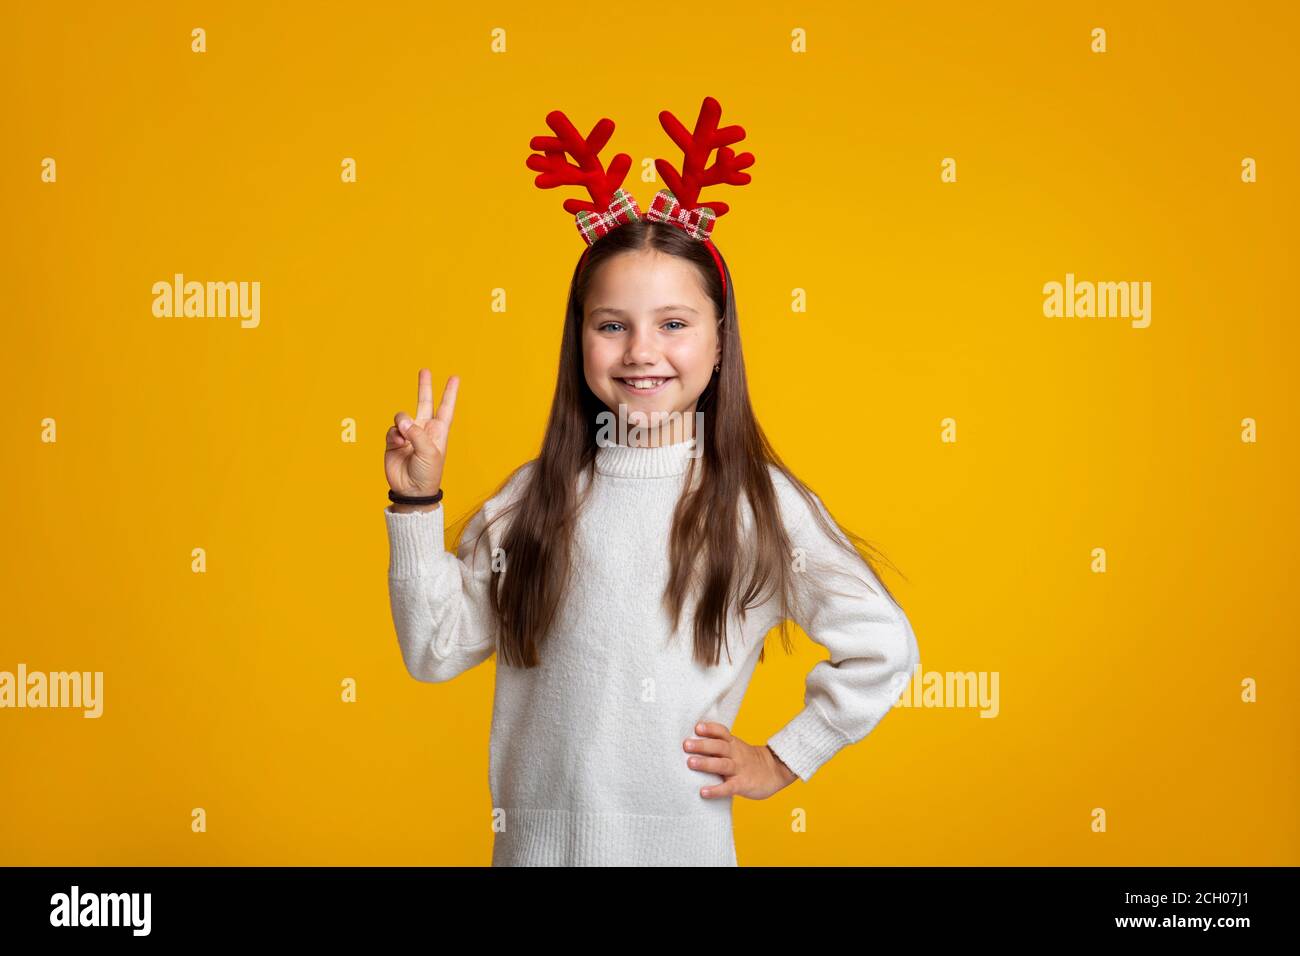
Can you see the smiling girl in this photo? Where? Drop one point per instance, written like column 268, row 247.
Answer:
column 626, row 586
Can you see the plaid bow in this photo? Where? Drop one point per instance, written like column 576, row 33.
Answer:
column 698, row 222
column 622, row 208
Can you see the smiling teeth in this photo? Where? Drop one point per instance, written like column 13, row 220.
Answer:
column 645, row 382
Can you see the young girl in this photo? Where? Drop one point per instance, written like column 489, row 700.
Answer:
column 627, row 576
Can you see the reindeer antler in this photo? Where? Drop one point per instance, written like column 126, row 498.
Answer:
column 554, row 170
column 696, row 147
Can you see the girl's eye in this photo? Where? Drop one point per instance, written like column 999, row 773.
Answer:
column 602, row 327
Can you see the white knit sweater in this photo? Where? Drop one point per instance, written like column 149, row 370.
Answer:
column 587, row 765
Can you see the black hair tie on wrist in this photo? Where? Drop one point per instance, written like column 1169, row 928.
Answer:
column 397, row 499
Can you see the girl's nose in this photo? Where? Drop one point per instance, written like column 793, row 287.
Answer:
column 640, row 349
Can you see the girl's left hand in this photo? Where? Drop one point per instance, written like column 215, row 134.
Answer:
column 750, row 771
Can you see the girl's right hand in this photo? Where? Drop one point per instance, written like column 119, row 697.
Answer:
column 417, row 448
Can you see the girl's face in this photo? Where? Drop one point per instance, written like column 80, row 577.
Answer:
column 648, row 321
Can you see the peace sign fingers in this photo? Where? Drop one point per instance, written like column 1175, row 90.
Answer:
column 424, row 397
column 447, row 406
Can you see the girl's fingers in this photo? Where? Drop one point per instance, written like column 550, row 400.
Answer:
column 395, row 439
column 711, row 728
column 416, row 434
column 706, row 745
column 447, row 406
column 424, row 396
column 723, row 766
column 725, row 789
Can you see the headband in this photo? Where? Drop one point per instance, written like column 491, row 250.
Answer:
column 611, row 206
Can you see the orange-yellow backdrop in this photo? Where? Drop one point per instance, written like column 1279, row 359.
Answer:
column 1120, row 691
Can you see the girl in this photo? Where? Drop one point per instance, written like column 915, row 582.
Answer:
column 627, row 576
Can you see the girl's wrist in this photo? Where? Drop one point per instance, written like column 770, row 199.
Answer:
column 789, row 775
column 408, row 504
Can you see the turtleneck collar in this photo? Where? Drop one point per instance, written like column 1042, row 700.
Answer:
column 632, row 461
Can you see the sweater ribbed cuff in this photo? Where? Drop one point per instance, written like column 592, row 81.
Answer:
column 415, row 542
column 807, row 742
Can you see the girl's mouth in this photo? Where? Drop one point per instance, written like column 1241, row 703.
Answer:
column 644, row 386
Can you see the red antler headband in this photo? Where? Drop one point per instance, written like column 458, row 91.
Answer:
column 611, row 206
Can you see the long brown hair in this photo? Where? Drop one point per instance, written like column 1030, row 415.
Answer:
column 706, row 554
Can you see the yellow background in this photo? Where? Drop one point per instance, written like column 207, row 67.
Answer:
column 1119, row 691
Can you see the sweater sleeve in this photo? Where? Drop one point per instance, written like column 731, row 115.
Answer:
column 873, row 652
column 439, row 600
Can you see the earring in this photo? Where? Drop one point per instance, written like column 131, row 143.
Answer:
column 717, row 368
